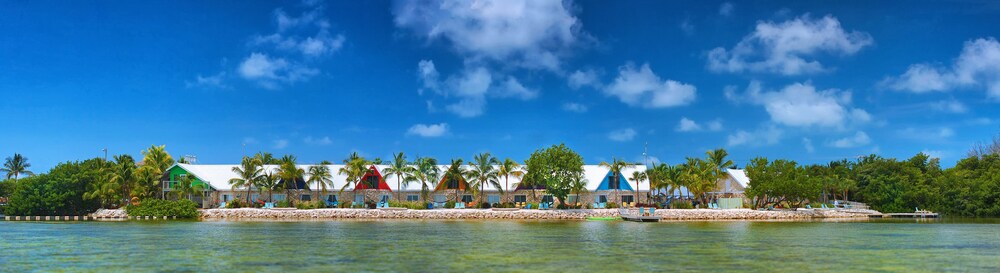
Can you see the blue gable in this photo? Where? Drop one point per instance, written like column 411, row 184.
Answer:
column 623, row 183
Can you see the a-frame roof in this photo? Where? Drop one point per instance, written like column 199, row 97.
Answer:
column 622, row 182
column 372, row 172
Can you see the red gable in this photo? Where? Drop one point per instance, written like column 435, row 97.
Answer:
column 371, row 178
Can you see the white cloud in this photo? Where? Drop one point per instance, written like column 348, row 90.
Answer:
column 801, row 105
column 213, row 81
column 808, row 145
column 859, row 139
column 641, row 87
column 574, row 107
column 525, row 33
column 250, row 140
column 932, row 134
column 308, row 34
column 764, row 136
column 512, row 88
column 787, row 48
column 431, row 130
column 583, row 78
column 715, row 125
column 322, row 141
column 267, row 71
column 935, row 153
column 622, row 135
column 978, row 66
column 726, row 9
column 429, row 76
column 280, row 143
column 686, row 26
column 951, row 106
column 687, row 125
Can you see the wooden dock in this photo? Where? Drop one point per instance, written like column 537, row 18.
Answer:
column 627, row 215
column 906, row 215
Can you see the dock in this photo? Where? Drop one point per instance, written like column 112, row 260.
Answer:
column 627, row 215
column 906, row 215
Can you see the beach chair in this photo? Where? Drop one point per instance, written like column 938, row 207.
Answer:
column 222, row 205
column 652, row 211
column 808, row 206
column 642, row 211
column 604, row 205
column 528, row 206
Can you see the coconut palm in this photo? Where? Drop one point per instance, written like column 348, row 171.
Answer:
column 247, row 173
column 320, row 174
column 699, row 177
column 355, row 168
column 290, row 174
column 483, row 170
column 616, row 166
column 638, row 177
column 578, row 185
column 269, row 181
column 157, row 158
column 401, row 169
column 123, row 175
column 186, row 187
column 509, row 168
column 427, row 173
column 16, row 166
column 457, row 174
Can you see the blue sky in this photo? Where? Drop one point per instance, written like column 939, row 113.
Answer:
column 803, row 80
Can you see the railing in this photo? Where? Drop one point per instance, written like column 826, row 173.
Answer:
column 169, row 185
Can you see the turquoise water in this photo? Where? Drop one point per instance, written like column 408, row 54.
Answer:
column 547, row 246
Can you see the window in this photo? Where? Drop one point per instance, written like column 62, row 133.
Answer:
column 412, row 197
column 520, row 198
column 279, row 197
column 467, row 198
column 573, row 198
column 371, row 182
column 452, row 183
column 547, row 198
column 602, row 199
column 359, row 198
column 306, row 197
column 493, row 198
column 440, row 198
column 384, row 198
column 331, row 198
column 627, row 198
column 613, row 183
column 226, row 197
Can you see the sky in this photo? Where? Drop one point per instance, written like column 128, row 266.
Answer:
column 811, row 81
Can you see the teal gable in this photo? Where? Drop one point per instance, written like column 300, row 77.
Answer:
column 606, row 185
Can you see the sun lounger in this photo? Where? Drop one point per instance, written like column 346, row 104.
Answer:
column 642, row 211
column 222, row 205
column 652, row 211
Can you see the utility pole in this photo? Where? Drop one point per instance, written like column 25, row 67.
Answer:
column 105, row 154
column 645, row 159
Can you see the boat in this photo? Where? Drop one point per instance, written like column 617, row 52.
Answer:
column 596, row 218
column 628, row 215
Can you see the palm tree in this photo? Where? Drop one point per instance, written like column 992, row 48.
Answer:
column 484, row 171
column 290, row 173
column 320, row 174
column 155, row 161
column 123, row 175
column 401, row 169
column 578, row 186
column 638, row 177
column 457, row 174
column 355, row 168
column 699, row 176
column 427, row 173
column 16, row 166
column 509, row 168
column 248, row 172
column 270, row 182
column 616, row 167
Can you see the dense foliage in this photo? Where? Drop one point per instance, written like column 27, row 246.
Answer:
column 557, row 167
column 160, row 208
column 59, row 192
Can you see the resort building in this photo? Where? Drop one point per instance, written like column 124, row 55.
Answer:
column 602, row 186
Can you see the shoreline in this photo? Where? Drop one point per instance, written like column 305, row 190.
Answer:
column 484, row 214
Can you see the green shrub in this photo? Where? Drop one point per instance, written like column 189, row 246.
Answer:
column 612, row 205
column 236, row 203
column 283, row 204
column 344, row 205
column 678, row 204
column 59, row 192
column 449, row 204
column 408, row 204
column 160, row 208
column 317, row 204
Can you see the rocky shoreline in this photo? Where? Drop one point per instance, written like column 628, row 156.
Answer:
column 578, row 214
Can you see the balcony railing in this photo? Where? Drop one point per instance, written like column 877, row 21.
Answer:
column 170, row 185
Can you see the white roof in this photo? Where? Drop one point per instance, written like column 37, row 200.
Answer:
column 740, row 177
column 218, row 176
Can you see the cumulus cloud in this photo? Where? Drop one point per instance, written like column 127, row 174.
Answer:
column 858, row 139
column 574, row 107
column 280, row 143
column 768, row 135
column 808, row 144
column 726, row 9
column 470, row 89
column 687, row 125
column 512, row 88
column 788, row 48
column 428, row 130
column 209, row 82
column 268, row 71
column 641, row 87
column 622, row 135
column 525, row 33
column 583, row 78
column 429, row 76
column 801, row 105
column 951, row 106
column 321, row 141
column 977, row 66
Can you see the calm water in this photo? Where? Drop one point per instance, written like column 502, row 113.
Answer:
column 449, row 246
